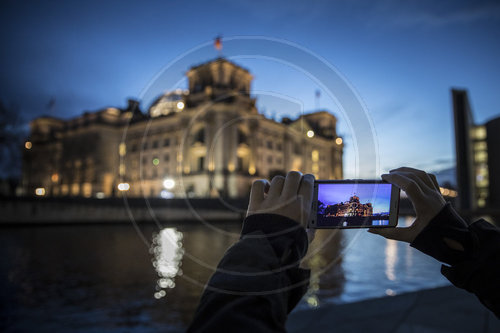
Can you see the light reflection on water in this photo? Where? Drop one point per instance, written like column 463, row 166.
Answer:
column 105, row 278
column 168, row 252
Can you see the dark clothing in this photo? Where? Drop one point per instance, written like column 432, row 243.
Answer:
column 258, row 282
column 477, row 268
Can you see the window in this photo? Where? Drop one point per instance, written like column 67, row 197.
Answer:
column 279, row 147
column 133, row 148
column 200, row 136
column 242, row 138
column 166, row 142
column 315, row 156
column 278, row 160
column 297, row 149
column 166, row 157
column 270, row 159
column 155, row 144
column 201, row 163
column 269, row 145
column 240, row 164
column 144, row 145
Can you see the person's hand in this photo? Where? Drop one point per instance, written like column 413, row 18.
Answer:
column 290, row 196
column 423, row 191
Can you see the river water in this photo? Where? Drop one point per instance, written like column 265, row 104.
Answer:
column 121, row 278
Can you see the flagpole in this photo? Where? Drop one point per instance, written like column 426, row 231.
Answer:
column 317, row 95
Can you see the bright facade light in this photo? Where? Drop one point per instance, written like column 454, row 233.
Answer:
column 180, row 105
column 310, row 133
column 28, row 145
column 40, row 191
column 123, row 187
column 169, row 183
column 54, row 177
column 338, row 141
column 100, row 195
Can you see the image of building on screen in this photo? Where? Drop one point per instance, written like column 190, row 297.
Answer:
column 352, row 207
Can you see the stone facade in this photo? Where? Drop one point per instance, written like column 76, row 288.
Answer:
column 208, row 141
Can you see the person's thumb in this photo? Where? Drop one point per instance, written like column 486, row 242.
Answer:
column 400, row 234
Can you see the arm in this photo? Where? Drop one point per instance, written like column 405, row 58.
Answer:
column 476, row 268
column 471, row 252
column 258, row 282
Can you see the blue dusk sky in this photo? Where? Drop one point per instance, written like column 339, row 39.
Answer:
column 401, row 58
column 378, row 194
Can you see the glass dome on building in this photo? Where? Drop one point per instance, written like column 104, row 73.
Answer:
column 173, row 101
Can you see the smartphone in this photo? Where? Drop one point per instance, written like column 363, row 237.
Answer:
column 354, row 203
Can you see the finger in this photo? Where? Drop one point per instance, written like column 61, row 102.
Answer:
column 400, row 234
column 434, row 181
column 292, row 183
column 422, row 178
column 306, row 189
column 407, row 169
column 257, row 192
column 276, row 186
column 406, row 184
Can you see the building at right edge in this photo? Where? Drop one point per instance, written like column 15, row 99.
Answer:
column 477, row 158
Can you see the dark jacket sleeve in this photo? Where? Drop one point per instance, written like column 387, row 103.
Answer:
column 477, row 268
column 258, row 281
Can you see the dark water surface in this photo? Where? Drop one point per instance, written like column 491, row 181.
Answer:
column 110, row 277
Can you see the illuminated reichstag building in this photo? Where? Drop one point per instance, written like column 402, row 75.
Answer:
column 207, row 141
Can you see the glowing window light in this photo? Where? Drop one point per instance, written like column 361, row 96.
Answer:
column 40, row 191
column 54, row 177
column 315, row 156
column 122, row 149
column 338, row 141
column 28, row 145
column 123, row 187
column 479, row 133
column 169, row 183
column 310, row 133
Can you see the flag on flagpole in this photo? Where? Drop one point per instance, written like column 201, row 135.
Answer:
column 218, row 43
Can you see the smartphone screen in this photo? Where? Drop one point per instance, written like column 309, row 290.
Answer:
column 354, row 204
